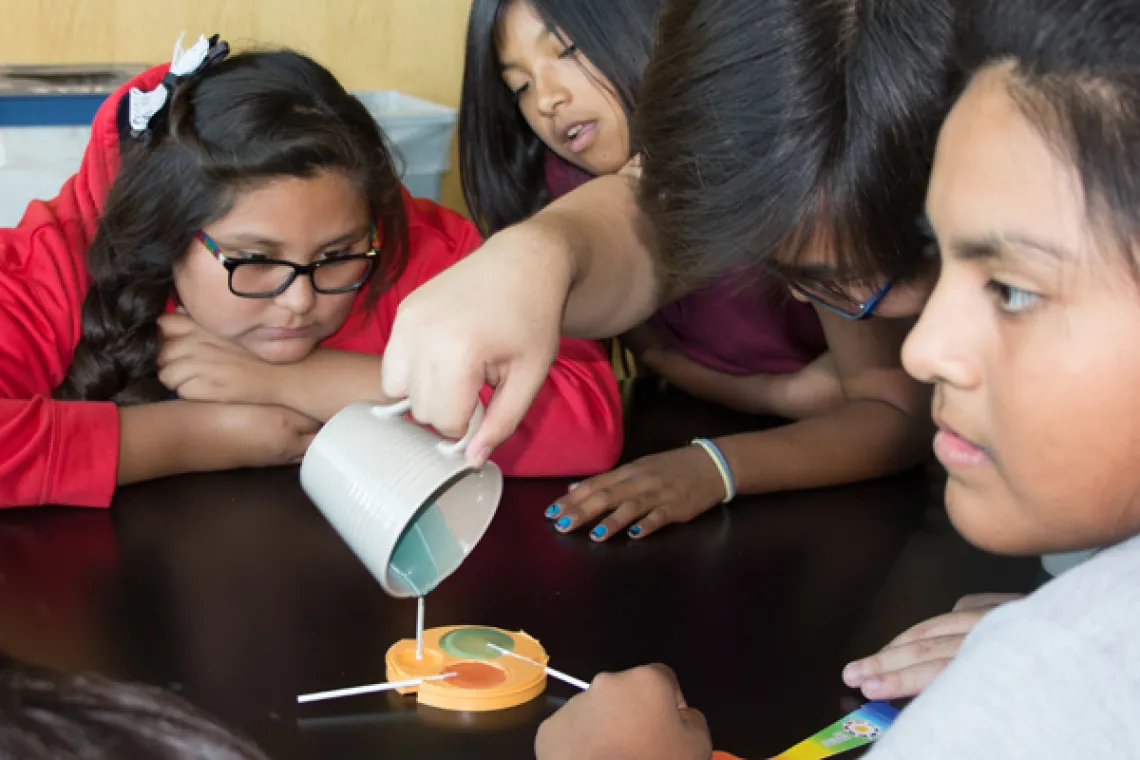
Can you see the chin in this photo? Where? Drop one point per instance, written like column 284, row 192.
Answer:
column 283, row 351
column 997, row 524
column 986, row 521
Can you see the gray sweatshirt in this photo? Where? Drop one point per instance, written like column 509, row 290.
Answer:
column 1056, row 675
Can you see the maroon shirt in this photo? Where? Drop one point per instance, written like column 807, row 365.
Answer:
column 738, row 329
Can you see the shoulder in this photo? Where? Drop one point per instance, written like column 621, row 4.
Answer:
column 437, row 237
column 1097, row 601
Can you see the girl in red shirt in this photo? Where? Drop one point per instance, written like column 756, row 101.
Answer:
column 232, row 290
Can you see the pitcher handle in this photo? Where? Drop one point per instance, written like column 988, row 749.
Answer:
column 455, row 448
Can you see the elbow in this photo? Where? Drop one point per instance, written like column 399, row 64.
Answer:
column 907, row 431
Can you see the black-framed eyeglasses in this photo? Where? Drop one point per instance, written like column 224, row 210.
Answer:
column 261, row 277
column 837, row 303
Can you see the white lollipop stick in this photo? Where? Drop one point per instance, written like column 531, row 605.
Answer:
column 420, row 628
column 370, row 689
column 576, row 682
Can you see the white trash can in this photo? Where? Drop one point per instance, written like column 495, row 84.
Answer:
column 419, row 133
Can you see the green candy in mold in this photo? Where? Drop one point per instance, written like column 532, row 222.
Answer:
column 471, row 643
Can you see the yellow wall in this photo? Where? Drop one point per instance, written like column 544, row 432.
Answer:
column 411, row 45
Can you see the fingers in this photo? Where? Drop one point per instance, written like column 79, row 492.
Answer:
column 509, row 404
column 666, row 674
column 915, row 657
column 694, row 720
column 656, row 680
column 654, row 521
column 395, row 370
column 175, row 374
column 443, row 394
column 172, row 350
column 445, row 397
column 303, row 447
column 950, row 624
column 627, row 513
column 908, row 664
column 597, row 496
column 897, row 658
column 907, row 682
column 984, row 601
column 176, row 325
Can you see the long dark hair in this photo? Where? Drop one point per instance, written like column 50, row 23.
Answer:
column 246, row 120
column 501, row 159
column 46, row 715
column 766, row 127
column 1076, row 79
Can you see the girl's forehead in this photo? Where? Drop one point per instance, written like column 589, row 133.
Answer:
column 996, row 177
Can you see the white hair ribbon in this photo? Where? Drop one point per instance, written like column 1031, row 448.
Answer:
column 144, row 105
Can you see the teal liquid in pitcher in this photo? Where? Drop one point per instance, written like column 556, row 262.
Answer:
column 426, row 552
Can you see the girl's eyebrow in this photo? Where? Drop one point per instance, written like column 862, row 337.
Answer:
column 259, row 241
column 995, row 246
column 239, row 240
column 511, row 64
column 348, row 237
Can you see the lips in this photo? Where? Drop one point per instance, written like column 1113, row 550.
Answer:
column 956, row 452
column 578, row 134
column 284, row 333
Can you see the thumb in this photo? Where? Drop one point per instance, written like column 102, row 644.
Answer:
column 670, row 678
column 512, row 397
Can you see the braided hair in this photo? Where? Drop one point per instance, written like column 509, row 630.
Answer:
column 228, row 127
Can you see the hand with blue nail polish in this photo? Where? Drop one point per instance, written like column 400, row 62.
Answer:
column 640, row 714
column 648, row 494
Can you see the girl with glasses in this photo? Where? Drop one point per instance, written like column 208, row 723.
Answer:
column 220, row 278
column 557, row 98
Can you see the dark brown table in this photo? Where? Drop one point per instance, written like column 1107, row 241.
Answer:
column 231, row 589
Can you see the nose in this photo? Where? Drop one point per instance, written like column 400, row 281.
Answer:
column 551, row 91
column 299, row 297
column 945, row 344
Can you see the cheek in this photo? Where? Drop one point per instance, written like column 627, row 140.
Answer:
column 538, row 124
column 904, row 301
column 203, row 289
column 1068, row 475
column 332, row 311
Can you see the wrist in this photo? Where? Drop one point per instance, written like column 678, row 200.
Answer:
column 148, row 447
column 724, row 470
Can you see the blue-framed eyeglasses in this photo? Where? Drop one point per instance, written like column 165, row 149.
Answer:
column 256, row 276
column 838, row 303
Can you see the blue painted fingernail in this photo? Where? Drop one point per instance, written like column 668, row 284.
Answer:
column 599, row 532
column 635, row 531
column 563, row 523
column 553, row 511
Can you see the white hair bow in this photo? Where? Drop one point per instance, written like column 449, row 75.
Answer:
column 183, row 63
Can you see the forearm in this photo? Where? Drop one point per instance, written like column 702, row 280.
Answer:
column 798, row 395
column 328, row 381
column 167, row 438
column 597, row 238
column 795, row 395
column 859, row 440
